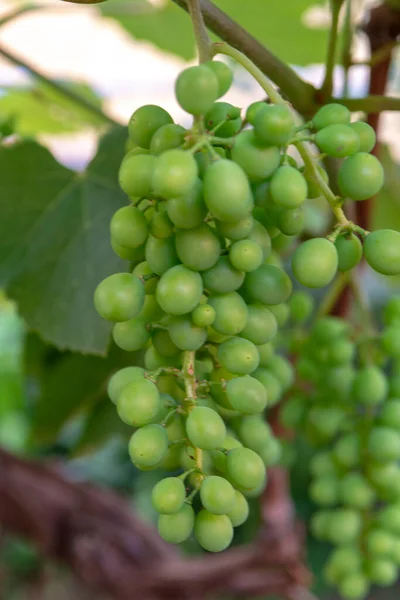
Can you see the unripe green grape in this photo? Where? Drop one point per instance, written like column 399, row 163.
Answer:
column 226, row 117
column 136, row 173
column 254, row 432
column 245, row 468
column 313, row 189
column 291, row 220
column 161, row 226
column 360, row 176
column 391, row 340
column 380, row 543
column 292, row 412
column 176, row 528
column 347, row 451
column 185, row 335
column 199, row 248
column 196, row 89
column 219, row 457
column 222, row 277
column 240, row 510
column 246, row 394
column 258, row 162
column 271, row 384
column 144, row 123
column 179, row 290
column 315, row 262
column 389, row 518
column 356, row 492
column 338, row 140
column 151, row 310
column 260, row 236
column 142, row 270
column 163, row 344
column 274, row 124
column 324, row 422
column 384, row 444
column 331, row 114
column 322, row 464
column 168, row 495
column 148, row 446
column 265, row 351
column 301, row 306
column 122, row 378
column 261, row 326
column 203, row 315
column 394, row 385
column 217, row 495
column 160, row 254
column 288, row 188
column 354, row 586
column 175, row 173
column 119, row 297
column 230, row 313
column 139, row 402
column 268, row 284
column 382, row 251
column 153, row 360
column 131, row 335
column 341, row 352
column 188, row 211
column 283, row 371
column 135, row 255
column 390, row 413
column 391, row 312
column 382, row 475
column 238, row 230
column 223, row 73
column 382, row 571
column 328, row 328
column 273, row 453
column 167, row 137
column 246, row 255
column 320, row 523
column 128, row 227
column 370, row 386
column 213, row 532
column 227, row 191
column 238, row 355
column 324, row 491
column 253, row 109
column 345, row 526
column 349, row 250
column 205, row 428
column 366, row 135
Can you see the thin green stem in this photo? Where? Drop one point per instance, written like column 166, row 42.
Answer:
column 370, row 104
column 333, row 293
column 203, row 42
column 327, row 85
column 189, row 378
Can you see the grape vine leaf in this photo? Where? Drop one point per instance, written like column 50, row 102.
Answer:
column 54, row 239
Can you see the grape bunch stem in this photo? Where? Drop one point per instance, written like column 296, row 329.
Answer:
column 189, row 378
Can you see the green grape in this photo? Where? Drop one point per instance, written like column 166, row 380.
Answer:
column 151, row 311
column 281, row 313
column 227, row 191
column 370, row 386
column 219, row 457
column 301, row 306
column 196, row 89
column 331, row 114
column 205, row 428
column 313, row 189
column 380, row 543
column 349, row 250
column 153, row 360
column 175, row 173
column 217, row 495
column 366, row 134
column 131, row 335
column 253, row 110
column 324, row 490
column 261, row 326
column 246, row 255
column 288, row 188
column 254, row 432
column 324, row 422
column 223, row 73
column 179, row 290
column 382, row 251
column 260, row 236
column 345, row 526
column 161, row 226
column 315, row 262
column 176, row 528
column 264, row 350
column 139, row 402
column 163, row 344
column 328, row 328
column 268, row 284
column 283, row 371
column 271, row 384
column 238, row 356
column 356, row 492
column 322, row 463
column 246, row 394
column 274, row 124
column 142, row 270
column 384, row 444
column 167, row 403
column 258, row 162
column 320, row 523
column 135, row 255
column 390, row 413
column 122, row 378
column 291, row 220
column 203, row 315
column 238, row 230
column 185, row 335
column 199, row 248
column 148, row 446
column 129, row 227
column 188, row 211
column 341, row 352
column 119, row 297
column 160, row 254
column 382, row 571
column 360, row 176
column 391, row 340
column 344, row 561
column 144, row 123
column 338, row 140
column 220, row 375
column 226, row 117
column 292, row 412
column 394, row 385
column 272, row 453
column 389, row 518
column 168, row 495
column 222, row 277
column 167, row 137
column 136, row 173
column 213, row 532
column 354, row 586
column 240, row 510
column 230, row 313
column 245, row 468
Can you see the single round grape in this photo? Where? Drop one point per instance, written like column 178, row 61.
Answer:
column 291, row 220
column 131, row 335
column 315, row 262
column 148, row 446
column 382, row 251
column 380, row 542
column 389, row 518
column 283, row 370
column 197, row 88
column 188, row 211
column 168, row 495
column 258, row 162
column 261, row 326
column 186, row 335
column 136, row 173
column 254, row 432
column 167, row 137
column 161, row 226
column 129, row 227
column 319, row 524
column 219, row 457
column 354, row 586
column 268, row 284
column 292, row 412
column 160, row 254
column 382, row 571
column 120, row 379
column 236, row 231
column 390, row 413
column 360, row 176
column 344, row 526
column 213, row 532
column 176, row 528
column 274, row 124
column 246, row 255
column 253, row 109
column 260, row 236
column 366, row 134
column 384, row 444
column 199, row 248
column 222, row 277
column 240, row 510
column 163, row 344
column 226, row 117
column 347, row 451
column 331, row 114
column 370, row 386
column 338, row 140
column 145, row 121
column 324, row 490
column 288, row 188
column 227, row 191
column 224, row 75
column 271, row 384
column 205, row 428
column 151, row 310
column 313, row 189
column 217, row 495
column 119, row 297
column 301, row 306
column 179, row 290
column 238, row 356
column 246, row 394
column 143, row 270
column 203, row 315
column 153, row 360
column 139, row 402
column 391, row 340
column 349, row 250
column 230, row 313
column 135, row 255
column 245, row 468
column 356, row 492
column 175, row 173
column 281, row 313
